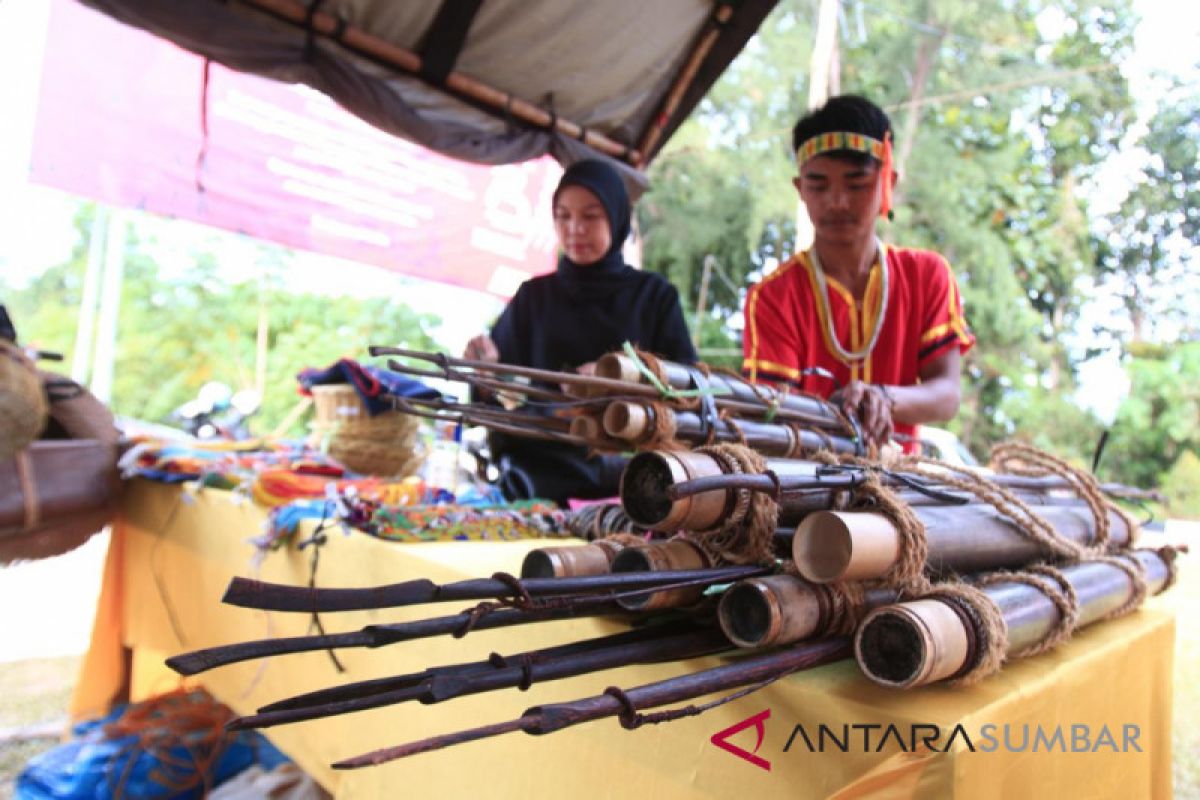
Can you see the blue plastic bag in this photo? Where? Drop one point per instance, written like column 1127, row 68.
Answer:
column 169, row 755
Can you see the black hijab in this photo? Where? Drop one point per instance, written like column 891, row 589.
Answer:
column 582, row 311
column 610, row 272
column 571, row 317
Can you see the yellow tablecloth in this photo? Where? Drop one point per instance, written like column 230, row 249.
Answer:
column 172, row 555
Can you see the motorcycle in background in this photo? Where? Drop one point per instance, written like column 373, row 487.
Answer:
column 217, row 412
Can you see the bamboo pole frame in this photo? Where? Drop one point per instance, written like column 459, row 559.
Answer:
column 684, row 80
column 404, row 60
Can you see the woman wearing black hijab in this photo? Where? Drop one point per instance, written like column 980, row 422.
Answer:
column 591, row 304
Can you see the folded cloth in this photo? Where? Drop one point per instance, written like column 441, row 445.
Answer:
column 372, row 384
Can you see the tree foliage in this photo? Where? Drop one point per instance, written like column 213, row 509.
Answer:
column 175, row 335
column 1004, row 112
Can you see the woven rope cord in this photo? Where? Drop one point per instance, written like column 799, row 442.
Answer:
column 1054, row 585
column 747, row 535
column 1011, row 456
column 991, row 631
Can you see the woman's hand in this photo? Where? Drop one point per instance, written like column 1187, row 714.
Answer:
column 871, row 406
column 481, row 348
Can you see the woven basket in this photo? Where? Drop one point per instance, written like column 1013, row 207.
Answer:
column 387, row 444
column 22, row 401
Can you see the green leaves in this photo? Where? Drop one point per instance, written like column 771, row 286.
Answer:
column 177, row 333
column 1020, row 105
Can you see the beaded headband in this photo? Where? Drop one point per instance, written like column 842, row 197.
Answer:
column 859, row 143
column 839, row 140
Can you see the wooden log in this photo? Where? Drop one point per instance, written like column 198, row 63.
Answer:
column 921, row 642
column 839, row 546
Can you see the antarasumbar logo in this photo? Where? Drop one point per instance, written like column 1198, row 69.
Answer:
column 721, row 739
column 871, row 737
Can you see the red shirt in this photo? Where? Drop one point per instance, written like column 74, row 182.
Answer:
column 787, row 328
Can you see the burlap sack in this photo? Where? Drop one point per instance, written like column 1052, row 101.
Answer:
column 22, row 401
column 76, row 413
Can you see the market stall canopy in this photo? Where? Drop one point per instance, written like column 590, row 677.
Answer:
column 490, row 82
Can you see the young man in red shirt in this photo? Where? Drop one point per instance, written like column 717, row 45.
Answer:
column 877, row 329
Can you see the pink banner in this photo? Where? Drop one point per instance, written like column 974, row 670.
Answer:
column 120, row 120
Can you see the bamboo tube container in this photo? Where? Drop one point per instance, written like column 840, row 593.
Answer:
column 649, row 475
column 845, row 546
column 590, row 428
column 840, row 546
column 673, row 554
column 782, row 609
column 594, row 558
column 922, row 642
column 635, row 422
column 617, row 366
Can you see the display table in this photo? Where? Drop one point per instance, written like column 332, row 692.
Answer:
column 172, row 554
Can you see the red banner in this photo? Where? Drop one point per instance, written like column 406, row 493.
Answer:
column 121, row 119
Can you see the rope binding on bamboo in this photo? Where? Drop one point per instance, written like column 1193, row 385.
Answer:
column 1137, row 581
column 985, row 620
column 1027, row 521
column 1057, row 589
column 747, row 534
column 1018, row 458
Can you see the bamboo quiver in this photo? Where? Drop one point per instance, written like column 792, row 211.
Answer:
column 641, row 422
column 839, row 546
column 782, row 609
column 649, row 476
column 616, row 366
column 594, row 558
column 675, row 554
column 938, row 638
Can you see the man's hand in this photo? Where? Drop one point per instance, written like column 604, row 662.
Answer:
column 481, row 348
column 871, row 406
column 573, row 390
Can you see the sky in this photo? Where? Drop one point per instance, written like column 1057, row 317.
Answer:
column 36, row 230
